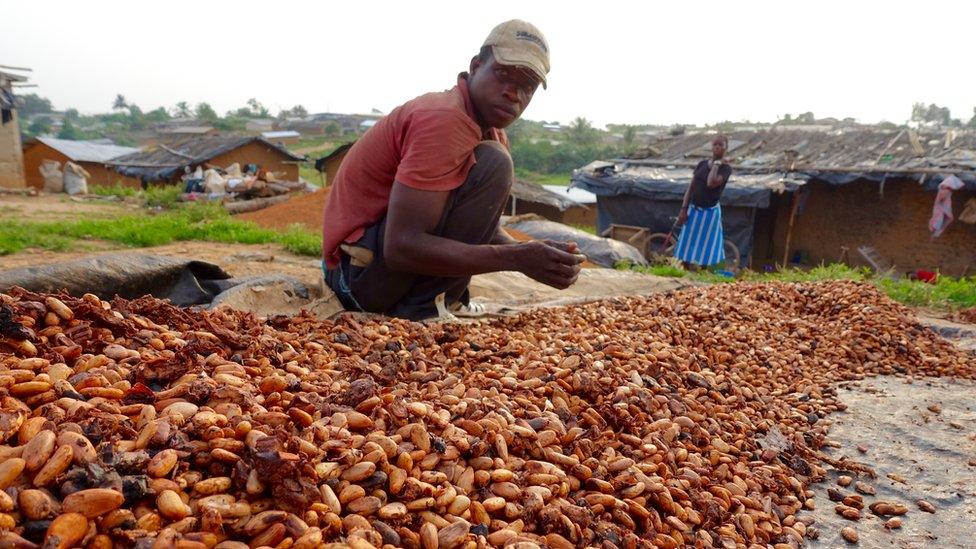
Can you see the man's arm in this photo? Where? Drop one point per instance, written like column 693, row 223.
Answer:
column 502, row 237
column 410, row 246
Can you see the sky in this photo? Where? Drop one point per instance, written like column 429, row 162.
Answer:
column 612, row 62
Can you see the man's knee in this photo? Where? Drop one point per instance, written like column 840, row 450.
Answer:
column 494, row 164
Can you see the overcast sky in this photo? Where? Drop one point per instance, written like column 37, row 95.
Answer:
column 623, row 62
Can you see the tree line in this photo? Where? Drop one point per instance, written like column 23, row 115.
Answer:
column 126, row 117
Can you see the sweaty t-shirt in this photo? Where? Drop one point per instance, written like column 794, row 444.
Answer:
column 427, row 143
column 701, row 195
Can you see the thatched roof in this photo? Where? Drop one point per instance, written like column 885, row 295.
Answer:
column 854, row 150
column 162, row 161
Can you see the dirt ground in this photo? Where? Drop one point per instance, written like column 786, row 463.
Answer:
column 304, row 210
column 62, row 206
column 917, row 453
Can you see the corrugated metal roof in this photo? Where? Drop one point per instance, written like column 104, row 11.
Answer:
column 187, row 129
column 280, row 134
column 9, row 76
column 194, row 150
column 530, row 192
column 574, row 194
column 791, row 149
column 86, row 151
column 162, row 161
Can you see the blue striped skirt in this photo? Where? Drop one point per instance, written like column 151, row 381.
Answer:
column 702, row 240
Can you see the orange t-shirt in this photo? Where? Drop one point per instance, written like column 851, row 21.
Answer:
column 427, row 143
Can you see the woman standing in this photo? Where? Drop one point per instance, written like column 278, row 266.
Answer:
column 701, row 239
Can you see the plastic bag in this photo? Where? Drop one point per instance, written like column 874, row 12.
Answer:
column 53, row 178
column 75, row 179
column 213, row 183
column 233, row 171
column 602, row 251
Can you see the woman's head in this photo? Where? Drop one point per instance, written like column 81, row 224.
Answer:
column 719, row 144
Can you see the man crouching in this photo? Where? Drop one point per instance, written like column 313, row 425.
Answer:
column 415, row 207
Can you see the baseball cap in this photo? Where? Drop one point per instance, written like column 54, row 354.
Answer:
column 521, row 44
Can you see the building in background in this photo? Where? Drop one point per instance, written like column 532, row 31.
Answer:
column 574, row 207
column 166, row 162
column 805, row 197
column 328, row 165
column 282, row 137
column 93, row 156
column 11, row 155
column 179, row 132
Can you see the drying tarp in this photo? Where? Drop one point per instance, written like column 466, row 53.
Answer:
column 651, row 197
column 670, row 184
column 659, row 215
column 602, row 251
column 930, row 182
column 150, row 174
column 183, row 281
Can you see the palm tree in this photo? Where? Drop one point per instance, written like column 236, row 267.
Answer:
column 257, row 109
column 581, row 130
column 182, row 110
column 120, row 103
column 206, row 113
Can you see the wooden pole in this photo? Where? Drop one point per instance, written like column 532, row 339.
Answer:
column 789, row 228
column 255, row 204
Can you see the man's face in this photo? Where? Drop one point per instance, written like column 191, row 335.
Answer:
column 718, row 148
column 500, row 92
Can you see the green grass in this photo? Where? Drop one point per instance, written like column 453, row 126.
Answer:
column 162, row 196
column 310, row 174
column 543, row 178
column 114, row 190
column 957, row 292
column 946, row 293
column 316, row 141
column 198, row 221
column 157, row 196
column 669, row 271
column 299, row 240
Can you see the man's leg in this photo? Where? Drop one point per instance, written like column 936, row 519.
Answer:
column 470, row 215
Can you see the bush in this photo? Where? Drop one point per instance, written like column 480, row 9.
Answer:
column 114, row 190
column 162, row 196
column 543, row 157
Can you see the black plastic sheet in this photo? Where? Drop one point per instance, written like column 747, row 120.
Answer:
column 602, row 251
column 659, row 216
column 185, row 282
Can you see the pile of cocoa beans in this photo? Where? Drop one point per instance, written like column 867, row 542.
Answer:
column 692, row 418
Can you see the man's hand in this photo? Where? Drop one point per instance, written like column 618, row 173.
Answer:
column 568, row 247
column 555, row 264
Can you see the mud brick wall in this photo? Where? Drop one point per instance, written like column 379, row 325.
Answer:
column 893, row 221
